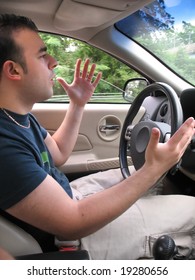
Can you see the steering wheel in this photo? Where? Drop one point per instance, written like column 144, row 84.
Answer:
column 134, row 138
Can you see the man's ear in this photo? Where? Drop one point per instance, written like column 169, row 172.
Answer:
column 12, row 70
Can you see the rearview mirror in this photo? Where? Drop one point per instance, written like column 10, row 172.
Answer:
column 133, row 87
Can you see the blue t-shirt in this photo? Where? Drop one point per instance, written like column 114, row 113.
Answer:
column 24, row 159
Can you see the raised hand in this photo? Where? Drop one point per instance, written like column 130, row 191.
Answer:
column 162, row 156
column 83, row 85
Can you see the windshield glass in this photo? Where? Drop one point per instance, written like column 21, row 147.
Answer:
column 167, row 29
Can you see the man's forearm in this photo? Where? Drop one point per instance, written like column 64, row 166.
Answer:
column 66, row 135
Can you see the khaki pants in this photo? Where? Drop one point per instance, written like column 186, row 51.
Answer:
column 132, row 235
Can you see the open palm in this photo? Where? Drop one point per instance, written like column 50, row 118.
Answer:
column 83, row 85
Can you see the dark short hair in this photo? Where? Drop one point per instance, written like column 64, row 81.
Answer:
column 9, row 50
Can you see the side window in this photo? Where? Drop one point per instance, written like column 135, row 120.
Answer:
column 114, row 73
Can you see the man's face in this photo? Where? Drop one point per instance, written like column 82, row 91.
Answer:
column 37, row 82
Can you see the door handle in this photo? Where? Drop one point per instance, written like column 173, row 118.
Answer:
column 109, row 127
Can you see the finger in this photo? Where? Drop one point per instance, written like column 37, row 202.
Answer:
column 154, row 138
column 91, row 72
column 63, row 83
column 97, row 79
column 184, row 134
column 77, row 68
column 85, row 69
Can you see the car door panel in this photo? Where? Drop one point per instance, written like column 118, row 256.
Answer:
column 97, row 146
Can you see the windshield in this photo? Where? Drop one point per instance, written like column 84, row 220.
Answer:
column 166, row 29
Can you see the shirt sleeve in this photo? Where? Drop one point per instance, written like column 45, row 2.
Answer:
column 20, row 174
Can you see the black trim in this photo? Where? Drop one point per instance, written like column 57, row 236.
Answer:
column 68, row 255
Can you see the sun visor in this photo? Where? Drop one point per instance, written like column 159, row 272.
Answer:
column 116, row 5
column 74, row 15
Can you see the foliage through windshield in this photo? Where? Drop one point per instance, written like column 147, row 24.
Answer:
column 167, row 29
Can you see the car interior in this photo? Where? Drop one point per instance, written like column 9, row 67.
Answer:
column 113, row 134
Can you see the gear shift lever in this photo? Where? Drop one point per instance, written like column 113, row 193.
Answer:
column 164, row 248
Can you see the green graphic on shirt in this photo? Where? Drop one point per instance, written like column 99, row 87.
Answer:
column 45, row 158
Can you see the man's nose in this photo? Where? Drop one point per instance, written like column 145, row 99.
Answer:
column 52, row 62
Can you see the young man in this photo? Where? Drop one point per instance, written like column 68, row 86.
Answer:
column 110, row 223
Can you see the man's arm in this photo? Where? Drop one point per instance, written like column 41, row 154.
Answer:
column 80, row 91
column 49, row 208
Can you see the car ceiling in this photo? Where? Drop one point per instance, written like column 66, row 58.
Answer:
column 92, row 21
column 81, row 19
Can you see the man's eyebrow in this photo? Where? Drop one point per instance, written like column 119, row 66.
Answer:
column 42, row 49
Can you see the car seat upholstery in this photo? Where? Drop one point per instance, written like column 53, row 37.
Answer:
column 23, row 246
column 15, row 240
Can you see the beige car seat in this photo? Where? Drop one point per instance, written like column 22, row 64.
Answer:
column 15, row 240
